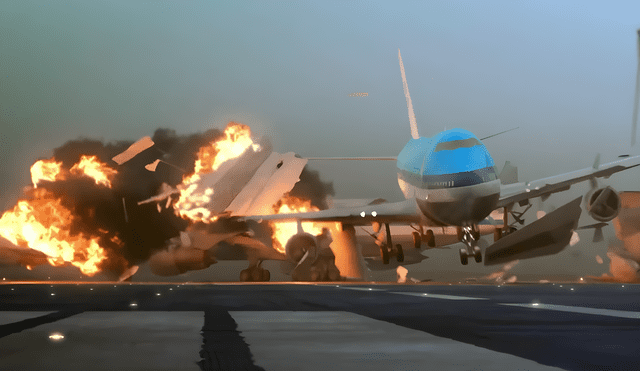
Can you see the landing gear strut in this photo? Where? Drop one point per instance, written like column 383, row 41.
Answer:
column 470, row 236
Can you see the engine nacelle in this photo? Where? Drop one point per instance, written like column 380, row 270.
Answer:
column 603, row 204
column 298, row 245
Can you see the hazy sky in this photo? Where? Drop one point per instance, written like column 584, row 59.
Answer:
column 563, row 71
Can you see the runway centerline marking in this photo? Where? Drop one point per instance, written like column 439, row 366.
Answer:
column 436, row 296
column 582, row 310
column 362, row 288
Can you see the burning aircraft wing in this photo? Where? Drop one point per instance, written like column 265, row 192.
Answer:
column 247, row 185
column 11, row 254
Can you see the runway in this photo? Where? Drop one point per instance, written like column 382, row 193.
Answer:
column 105, row 326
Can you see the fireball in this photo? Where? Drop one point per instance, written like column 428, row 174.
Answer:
column 283, row 231
column 48, row 170
column 91, row 167
column 42, row 224
column 192, row 204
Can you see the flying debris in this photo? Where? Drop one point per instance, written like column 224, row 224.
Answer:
column 81, row 211
column 359, row 94
column 252, row 179
column 133, row 150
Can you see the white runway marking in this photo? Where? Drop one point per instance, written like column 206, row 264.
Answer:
column 583, row 310
column 436, row 296
column 321, row 341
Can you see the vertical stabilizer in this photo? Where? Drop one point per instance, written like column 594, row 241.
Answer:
column 412, row 116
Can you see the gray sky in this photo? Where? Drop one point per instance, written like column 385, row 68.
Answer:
column 562, row 71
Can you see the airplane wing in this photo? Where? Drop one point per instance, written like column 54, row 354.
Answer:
column 520, row 192
column 406, row 211
column 354, row 158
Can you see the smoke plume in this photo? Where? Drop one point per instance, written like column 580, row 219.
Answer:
column 141, row 230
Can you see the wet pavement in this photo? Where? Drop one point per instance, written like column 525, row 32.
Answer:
column 318, row 327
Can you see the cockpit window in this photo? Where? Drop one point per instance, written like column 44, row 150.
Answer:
column 455, row 144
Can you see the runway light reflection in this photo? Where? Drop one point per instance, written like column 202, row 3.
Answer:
column 56, row 336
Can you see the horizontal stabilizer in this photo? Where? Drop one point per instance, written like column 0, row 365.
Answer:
column 546, row 236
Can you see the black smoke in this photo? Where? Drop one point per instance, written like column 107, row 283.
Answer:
column 141, row 229
column 310, row 187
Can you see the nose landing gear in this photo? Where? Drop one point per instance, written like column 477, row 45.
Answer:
column 470, row 236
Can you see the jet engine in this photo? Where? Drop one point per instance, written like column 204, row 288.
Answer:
column 309, row 258
column 603, row 204
column 299, row 245
column 179, row 260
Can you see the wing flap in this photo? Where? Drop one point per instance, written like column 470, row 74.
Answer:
column 546, row 236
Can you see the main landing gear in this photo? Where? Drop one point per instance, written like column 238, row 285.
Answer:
column 255, row 273
column 387, row 249
column 470, row 237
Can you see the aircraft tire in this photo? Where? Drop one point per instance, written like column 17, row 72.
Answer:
column 334, row 274
column 256, row 274
column 245, row 276
column 477, row 254
column 464, row 259
column 399, row 253
column 315, row 275
column 266, row 275
column 431, row 238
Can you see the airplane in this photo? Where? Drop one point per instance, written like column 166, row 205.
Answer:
column 450, row 180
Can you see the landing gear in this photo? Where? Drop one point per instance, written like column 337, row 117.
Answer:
column 417, row 240
column 384, row 253
column 464, row 257
column 430, row 238
column 470, row 236
column 399, row 253
column 386, row 249
column 477, row 254
column 255, row 273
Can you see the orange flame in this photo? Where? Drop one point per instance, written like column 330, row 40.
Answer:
column 43, row 224
column 48, row 170
column 91, row 167
column 283, row 231
column 193, row 199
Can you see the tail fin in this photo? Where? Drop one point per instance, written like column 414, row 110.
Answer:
column 412, row 116
column 509, row 174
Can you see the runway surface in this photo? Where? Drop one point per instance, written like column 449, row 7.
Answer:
column 106, row 326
